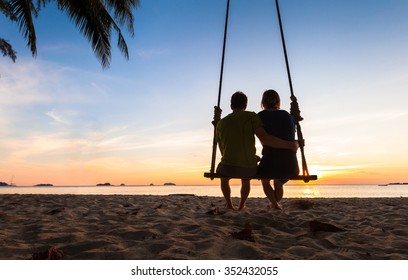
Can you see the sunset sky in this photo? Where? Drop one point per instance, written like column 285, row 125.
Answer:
column 66, row 121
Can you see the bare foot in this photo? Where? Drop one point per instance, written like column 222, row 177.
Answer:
column 240, row 207
column 230, row 206
column 275, row 206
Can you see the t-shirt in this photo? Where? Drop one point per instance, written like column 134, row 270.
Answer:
column 235, row 135
column 278, row 123
column 278, row 163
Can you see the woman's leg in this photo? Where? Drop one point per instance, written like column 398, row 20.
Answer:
column 278, row 186
column 270, row 193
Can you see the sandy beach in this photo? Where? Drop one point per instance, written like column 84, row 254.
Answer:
column 109, row 227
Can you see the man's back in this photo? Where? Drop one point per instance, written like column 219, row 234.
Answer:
column 235, row 135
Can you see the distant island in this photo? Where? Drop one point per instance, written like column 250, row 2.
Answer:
column 169, row 184
column 44, row 185
column 394, row 184
column 2, row 184
column 104, row 184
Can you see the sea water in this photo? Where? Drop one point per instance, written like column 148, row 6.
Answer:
column 290, row 191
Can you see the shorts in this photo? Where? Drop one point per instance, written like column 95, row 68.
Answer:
column 236, row 171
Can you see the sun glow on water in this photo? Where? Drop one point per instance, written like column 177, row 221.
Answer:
column 309, row 192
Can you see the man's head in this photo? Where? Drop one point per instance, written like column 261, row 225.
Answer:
column 239, row 101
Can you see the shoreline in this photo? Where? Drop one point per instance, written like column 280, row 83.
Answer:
column 291, row 191
column 99, row 227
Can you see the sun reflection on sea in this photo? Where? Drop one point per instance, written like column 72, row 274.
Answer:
column 309, row 192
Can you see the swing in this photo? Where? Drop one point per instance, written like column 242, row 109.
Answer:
column 294, row 111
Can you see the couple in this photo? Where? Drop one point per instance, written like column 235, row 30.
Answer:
column 275, row 129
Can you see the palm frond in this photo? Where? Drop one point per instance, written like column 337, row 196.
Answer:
column 5, row 8
column 41, row 4
column 121, row 42
column 90, row 17
column 24, row 11
column 123, row 12
column 7, row 50
column 94, row 21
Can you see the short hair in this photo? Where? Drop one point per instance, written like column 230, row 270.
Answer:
column 270, row 99
column 239, row 100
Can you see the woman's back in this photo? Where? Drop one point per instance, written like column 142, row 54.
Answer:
column 278, row 162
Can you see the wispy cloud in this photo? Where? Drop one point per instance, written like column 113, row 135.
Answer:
column 99, row 89
column 57, row 118
column 22, row 84
column 30, row 82
column 34, row 82
column 345, row 167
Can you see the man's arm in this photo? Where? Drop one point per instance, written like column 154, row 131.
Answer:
column 220, row 147
column 275, row 142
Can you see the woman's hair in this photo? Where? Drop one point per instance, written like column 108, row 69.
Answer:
column 239, row 100
column 270, row 100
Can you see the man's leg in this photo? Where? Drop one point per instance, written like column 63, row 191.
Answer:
column 226, row 191
column 245, row 190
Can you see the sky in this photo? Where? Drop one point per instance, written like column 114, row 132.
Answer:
column 67, row 121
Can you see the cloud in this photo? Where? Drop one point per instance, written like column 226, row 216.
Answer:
column 36, row 82
column 99, row 89
column 58, row 119
column 33, row 82
column 22, row 83
column 345, row 167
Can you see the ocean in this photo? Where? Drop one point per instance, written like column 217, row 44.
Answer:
column 290, row 191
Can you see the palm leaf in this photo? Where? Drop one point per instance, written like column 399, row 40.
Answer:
column 6, row 9
column 95, row 23
column 96, row 19
column 7, row 50
column 24, row 11
column 90, row 18
column 123, row 12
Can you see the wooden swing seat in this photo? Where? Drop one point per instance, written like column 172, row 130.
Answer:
column 305, row 178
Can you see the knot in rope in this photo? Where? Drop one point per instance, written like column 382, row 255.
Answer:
column 217, row 115
column 294, row 109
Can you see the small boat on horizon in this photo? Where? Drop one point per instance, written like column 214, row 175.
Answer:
column 4, row 184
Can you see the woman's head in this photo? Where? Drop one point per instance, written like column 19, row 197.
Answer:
column 270, row 100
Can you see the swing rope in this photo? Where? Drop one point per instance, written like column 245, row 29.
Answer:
column 217, row 110
column 294, row 106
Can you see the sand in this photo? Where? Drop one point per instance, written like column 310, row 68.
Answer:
column 100, row 227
